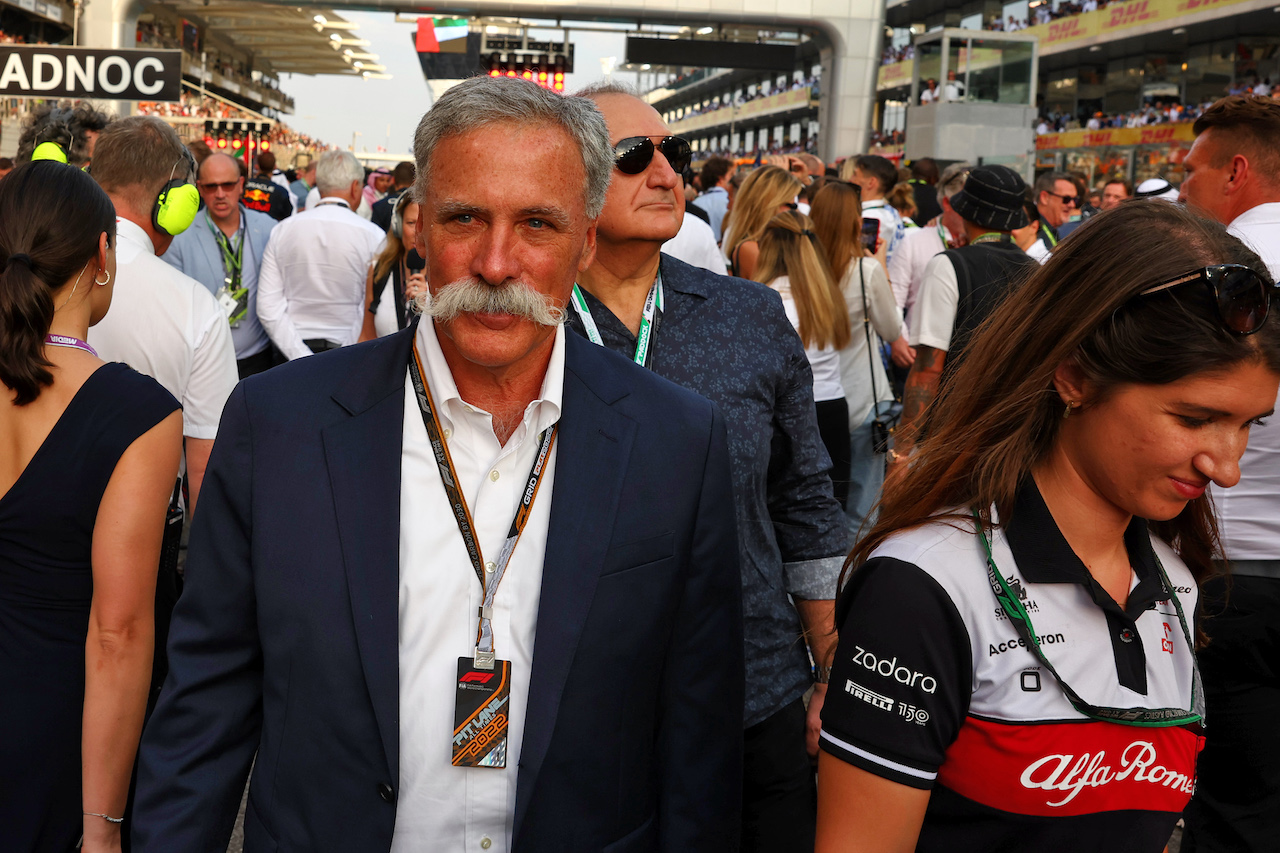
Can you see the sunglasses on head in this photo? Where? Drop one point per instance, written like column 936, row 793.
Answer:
column 1242, row 297
column 634, row 154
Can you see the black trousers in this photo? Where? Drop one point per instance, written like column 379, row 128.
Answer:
column 779, row 795
column 259, row 361
column 833, row 426
column 1236, row 806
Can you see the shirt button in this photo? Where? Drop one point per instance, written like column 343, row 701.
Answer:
column 485, row 843
column 490, row 567
column 385, row 791
column 1126, row 636
column 448, row 433
column 493, row 475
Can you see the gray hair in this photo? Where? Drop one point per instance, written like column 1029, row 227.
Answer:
column 485, row 101
column 609, row 87
column 952, row 180
column 336, row 170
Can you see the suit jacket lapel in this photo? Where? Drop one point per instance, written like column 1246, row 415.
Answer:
column 363, row 457
column 594, row 444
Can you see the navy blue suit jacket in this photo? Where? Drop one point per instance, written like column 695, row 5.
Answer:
column 284, row 642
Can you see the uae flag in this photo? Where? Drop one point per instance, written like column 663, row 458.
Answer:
column 447, row 35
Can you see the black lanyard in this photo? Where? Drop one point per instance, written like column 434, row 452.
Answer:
column 489, row 576
column 1150, row 717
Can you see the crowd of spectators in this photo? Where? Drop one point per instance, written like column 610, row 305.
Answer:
column 203, row 107
column 17, row 38
column 762, row 91
column 152, row 34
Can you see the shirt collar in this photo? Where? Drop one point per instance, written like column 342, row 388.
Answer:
column 874, row 203
column 538, row 415
column 1043, row 555
column 1268, row 213
column 133, row 232
column 688, row 281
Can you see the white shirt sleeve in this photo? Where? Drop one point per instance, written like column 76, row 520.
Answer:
column 213, row 368
column 933, row 317
column 881, row 306
column 900, row 274
column 273, row 307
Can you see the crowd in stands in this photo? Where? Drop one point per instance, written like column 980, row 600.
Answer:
column 762, row 91
column 204, row 107
column 152, row 34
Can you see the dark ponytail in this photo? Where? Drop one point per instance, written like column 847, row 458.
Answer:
column 51, row 216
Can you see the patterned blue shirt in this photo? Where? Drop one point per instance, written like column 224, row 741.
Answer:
column 729, row 340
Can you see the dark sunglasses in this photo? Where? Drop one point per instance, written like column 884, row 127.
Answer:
column 1242, row 297
column 1072, row 200
column 634, row 154
column 225, row 186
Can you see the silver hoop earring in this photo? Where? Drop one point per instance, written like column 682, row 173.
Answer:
column 107, row 273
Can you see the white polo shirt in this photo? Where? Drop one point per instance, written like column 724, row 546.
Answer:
column 168, row 325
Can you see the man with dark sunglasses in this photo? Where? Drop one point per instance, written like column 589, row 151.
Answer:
column 730, row 341
column 1056, row 198
column 1231, row 176
column 223, row 251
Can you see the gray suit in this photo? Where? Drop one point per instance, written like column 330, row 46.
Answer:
column 196, row 253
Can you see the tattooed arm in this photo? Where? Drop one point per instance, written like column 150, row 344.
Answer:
column 921, row 388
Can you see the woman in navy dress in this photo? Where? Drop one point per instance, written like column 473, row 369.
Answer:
column 88, row 456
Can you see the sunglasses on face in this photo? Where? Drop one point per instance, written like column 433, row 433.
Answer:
column 1242, row 297
column 634, row 154
column 1068, row 200
column 225, row 186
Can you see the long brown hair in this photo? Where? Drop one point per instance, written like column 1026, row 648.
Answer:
column 837, row 218
column 790, row 247
column 999, row 415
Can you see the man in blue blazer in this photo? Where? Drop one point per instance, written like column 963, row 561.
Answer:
column 223, row 251
column 413, row 669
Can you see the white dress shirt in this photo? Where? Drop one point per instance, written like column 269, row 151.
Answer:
column 439, row 806
column 312, row 281
column 1249, row 512
column 168, row 326
column 906, row 270
column 313, row 198
column 695, row 244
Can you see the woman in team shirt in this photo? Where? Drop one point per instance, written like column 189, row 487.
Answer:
column 1016, row 667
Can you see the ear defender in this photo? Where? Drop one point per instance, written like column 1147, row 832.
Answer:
column 176, row 207
column 49, row 151
column 178, row 202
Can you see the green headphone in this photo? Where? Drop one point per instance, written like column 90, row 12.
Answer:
column 178, row 202
column 50, row 150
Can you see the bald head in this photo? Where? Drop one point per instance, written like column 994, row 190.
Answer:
column 220, row 163
column 220, row 184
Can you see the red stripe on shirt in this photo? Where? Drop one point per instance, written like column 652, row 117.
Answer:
column 1053, row 769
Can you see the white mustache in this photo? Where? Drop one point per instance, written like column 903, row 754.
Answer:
column 472, row 296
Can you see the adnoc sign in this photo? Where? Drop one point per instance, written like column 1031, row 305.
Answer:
column 39, row 71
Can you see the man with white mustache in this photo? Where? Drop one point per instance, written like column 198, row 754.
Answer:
column 473, row 585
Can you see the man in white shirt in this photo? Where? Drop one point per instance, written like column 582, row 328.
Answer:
column 696, row 245
column 473, row 628
column 1232, row 174
column 161, row 323
column 906, row 270
column 311, row 287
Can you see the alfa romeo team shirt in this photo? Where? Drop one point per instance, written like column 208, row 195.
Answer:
column 933, row 688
